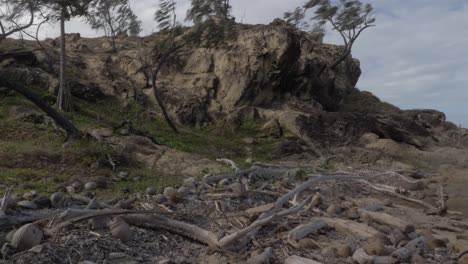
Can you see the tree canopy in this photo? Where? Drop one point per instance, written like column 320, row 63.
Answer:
column 114, row 17
column 347, row 17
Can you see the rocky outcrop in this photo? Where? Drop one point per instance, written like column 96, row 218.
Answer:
column 273, row 73
column 267, row 66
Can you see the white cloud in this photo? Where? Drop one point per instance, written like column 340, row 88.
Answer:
column 414, row 58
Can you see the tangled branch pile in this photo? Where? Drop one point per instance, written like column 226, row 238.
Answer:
column 266, row 214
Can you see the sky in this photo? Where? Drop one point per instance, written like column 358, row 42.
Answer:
column 416, row 56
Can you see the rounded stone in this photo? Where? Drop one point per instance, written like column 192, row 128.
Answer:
column 151, row 190
column 89, row 186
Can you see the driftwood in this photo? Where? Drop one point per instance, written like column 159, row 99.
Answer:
column 351, row 227
column 230, row 163
column 304, row 230
column 261, row 258
column 73, row 216
column 415, row 246
column 386, row 219
column 5, row 202
column 442, row 209
column 300, row 260
column 263, row 172
column 390, row 190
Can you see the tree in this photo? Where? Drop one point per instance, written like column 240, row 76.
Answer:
column 114, row 17
column 202, row 10
column 347, row 17
column 166, row 48
column 213, row 21
column 63, row 10
column 12, row 12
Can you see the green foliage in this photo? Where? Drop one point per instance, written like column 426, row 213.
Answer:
column 114, row 17
column 203, row 10
column 214, row 23
column 166, row 16
column 348, row 17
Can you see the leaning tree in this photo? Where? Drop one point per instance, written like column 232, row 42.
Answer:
column 213, row 24
column 13, row 12
column 347, row 17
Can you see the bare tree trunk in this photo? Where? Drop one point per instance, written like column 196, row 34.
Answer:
column 162, row 106
column 64, row 95
column 61, row 120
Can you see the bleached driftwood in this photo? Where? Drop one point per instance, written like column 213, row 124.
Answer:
column 5, row 202
column 392, row 191
column 262, row 172
column 386, row 219
column 230, row 163
column 304, row 230
column 261, row 258
column 350, row 227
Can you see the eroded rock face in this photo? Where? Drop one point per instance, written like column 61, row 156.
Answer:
column 265, row 67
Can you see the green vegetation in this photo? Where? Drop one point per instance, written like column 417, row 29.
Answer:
column 33, row 157
column 365, row 102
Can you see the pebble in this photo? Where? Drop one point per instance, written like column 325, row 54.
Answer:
column 57, row 199
column 160, row 199
column 151, row 190
column 171, row 194
column 334, row 209
column 376, row 244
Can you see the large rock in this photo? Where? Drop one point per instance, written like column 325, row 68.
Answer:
column 266, row 65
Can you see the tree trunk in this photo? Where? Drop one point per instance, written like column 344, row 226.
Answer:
column 61, row 120
column 162, row 106
column 64, row 95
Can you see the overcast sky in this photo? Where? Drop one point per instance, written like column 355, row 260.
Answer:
column 416, row 57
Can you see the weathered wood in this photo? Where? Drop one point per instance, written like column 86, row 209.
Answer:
column 386, row 219
column 390, row 190
column 256, row 211
column 415, row 246
column 351, row 227
column 300, row 260
column 5, row 202
column 261, row 258
column 304, row 230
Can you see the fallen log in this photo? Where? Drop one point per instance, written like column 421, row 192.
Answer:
column 350, row 227
column 304, row 230
column 386, row 219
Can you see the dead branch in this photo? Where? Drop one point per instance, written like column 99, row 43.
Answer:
column 230, row 163
column 390, row 190
column 5, row 202
column 262, row 172
column 73, row 216
column 442, row 208
column 304, row 230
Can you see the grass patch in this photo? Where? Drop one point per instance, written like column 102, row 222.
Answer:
column 365, row 102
